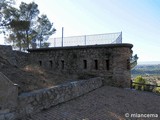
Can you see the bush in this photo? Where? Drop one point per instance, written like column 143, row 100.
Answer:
column 140, row 80
column 156, row 90
column 147, row 87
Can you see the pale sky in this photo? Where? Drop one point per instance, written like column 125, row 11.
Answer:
column 139, row 21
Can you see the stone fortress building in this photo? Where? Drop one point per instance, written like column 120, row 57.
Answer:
column 110, row 61
column 101, row 55
column 96, row 64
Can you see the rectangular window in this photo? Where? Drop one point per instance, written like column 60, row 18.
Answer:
column 51, row 63
column 62, row 64
column 40, row 63
column 107, row 64
column 96, row 64
column 85, row 64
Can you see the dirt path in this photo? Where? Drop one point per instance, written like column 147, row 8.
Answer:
column 106, row 103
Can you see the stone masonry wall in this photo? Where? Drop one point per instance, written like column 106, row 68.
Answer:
column 11, row 57
column 109, row 61
column 110, row 64
column 8, row 97
column 6, row 56
column 33, row 102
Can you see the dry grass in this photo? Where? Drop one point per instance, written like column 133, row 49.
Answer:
column 33, row 77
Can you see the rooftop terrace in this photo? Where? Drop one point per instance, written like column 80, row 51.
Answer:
column 107, row 38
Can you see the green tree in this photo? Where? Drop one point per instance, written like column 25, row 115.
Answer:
column 18, row 33
column 24, row 28
column 4, row 4
column 10, row 15
column 29, row 12
column 44, row 30
column 14, row 27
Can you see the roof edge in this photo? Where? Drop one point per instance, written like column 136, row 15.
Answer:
column 82, row 47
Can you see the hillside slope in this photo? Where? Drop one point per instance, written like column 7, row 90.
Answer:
column 16, row 66
column 31, row 77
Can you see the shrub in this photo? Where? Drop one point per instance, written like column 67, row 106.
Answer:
column 140, row 80
column 156, row 90
column 147, row 87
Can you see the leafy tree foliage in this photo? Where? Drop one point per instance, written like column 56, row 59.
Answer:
column 4, row 4
column 44, row 30
column 139, row 79
column 156, row 90
column 24, row 28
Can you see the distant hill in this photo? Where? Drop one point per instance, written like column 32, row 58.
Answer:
column 144, row 69
column 148, row 62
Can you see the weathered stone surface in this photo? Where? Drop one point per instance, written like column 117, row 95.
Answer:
column 13, row 58
column 108, row 61
column 7, row 56
column 9, row 116
column 33, row 102
column 8, row 94
column 2, row 117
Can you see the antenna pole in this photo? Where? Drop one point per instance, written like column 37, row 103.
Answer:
column 62, row 35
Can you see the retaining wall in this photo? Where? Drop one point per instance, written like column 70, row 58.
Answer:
column 36, row 101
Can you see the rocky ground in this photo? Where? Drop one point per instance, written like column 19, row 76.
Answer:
column 105, row 103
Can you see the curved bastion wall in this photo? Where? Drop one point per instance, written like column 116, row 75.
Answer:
column 110, row 61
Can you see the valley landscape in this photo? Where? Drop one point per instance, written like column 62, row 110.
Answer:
column 150, row 71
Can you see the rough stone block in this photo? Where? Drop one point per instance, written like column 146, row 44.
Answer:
column 8, row 93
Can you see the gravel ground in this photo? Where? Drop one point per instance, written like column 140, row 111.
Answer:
column 105, row 103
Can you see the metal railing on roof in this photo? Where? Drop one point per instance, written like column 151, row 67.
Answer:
column 96, row 39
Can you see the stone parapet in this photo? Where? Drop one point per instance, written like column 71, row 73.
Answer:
column 8, row 98
column 36, row 101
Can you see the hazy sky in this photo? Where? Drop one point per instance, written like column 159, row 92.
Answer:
column 139, row 21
